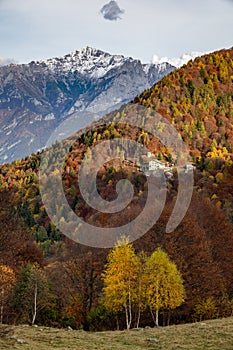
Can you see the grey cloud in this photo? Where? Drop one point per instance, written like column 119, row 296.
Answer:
column 111, row 11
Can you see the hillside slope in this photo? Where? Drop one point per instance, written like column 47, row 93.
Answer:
column 201, row 245
column 198, row 100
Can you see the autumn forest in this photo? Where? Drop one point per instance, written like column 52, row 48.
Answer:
column 159, row 278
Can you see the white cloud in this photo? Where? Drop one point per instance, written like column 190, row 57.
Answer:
column 4, row 61
column 177, row 61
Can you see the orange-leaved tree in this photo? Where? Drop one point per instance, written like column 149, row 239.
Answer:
column 7, row 279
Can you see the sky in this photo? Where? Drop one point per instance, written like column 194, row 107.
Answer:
column 150, row 30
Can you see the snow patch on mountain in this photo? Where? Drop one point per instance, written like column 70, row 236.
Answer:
column 87, row 61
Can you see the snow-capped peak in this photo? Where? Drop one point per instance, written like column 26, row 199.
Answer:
column 95, row 63
column 88, row 61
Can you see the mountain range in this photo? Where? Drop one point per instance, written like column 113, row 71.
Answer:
column 36, row 97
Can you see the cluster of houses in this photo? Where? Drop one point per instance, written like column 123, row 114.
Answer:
column 150, row 165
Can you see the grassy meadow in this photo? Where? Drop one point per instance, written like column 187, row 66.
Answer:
column 214, row 335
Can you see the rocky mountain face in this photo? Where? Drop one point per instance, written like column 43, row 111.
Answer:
column 36, row 97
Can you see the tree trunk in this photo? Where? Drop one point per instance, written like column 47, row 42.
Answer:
column 35, row 304
column 126, row 317
column 129, row 308
column 138, row 318
column 168, row 318
column 152, row 315
column 157, row 309
column 130, row 313
column 157, row 317
column 139, row 303
column 164, row 319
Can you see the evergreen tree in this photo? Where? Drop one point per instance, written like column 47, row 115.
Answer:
column 32, row 293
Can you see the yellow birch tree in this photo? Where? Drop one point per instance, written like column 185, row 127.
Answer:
column 120, row 279
column 164, row 288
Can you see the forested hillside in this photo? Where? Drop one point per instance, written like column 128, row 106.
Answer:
column 197, row 100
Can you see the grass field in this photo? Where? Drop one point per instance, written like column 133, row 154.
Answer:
column 214, row 335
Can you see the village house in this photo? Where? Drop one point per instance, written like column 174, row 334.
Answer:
column 150, row 164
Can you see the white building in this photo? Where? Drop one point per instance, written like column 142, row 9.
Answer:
column 189, row 167
column 151, row 165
